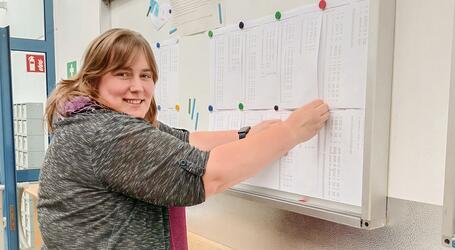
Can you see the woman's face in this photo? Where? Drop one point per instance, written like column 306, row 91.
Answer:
column 129, row 90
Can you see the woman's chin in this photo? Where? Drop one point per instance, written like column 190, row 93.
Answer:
column 136, row 114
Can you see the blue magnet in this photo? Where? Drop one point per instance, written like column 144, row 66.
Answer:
column 210, row 108
column 158, row 45
column 159, row 107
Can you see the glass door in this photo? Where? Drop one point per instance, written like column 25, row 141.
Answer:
column 27, row 77
column 8, row 173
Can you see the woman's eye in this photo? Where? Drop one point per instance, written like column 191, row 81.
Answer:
column 122, row 74
column 146, row 76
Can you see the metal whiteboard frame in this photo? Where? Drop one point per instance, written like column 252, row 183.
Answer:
column 372, row 213
column 448, row 215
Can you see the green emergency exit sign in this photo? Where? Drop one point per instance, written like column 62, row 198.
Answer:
column 71, row 69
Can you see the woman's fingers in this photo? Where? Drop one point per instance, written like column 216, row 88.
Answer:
column 325, row 117
column 322, row 108
column 318, row 105
column 315, row 103
column 323, row 120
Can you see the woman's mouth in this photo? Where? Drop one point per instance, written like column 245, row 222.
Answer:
column 134, row 101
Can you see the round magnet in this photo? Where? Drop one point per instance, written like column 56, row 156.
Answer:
column 177, row 107
column 276, row 108
column 158, row 45
column 241, row 106
column 210, row 33
column 241, row 25
column 159, row 107
column 210, row 108
column 278, row 15
column 322, row 4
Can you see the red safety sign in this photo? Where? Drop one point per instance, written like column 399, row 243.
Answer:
column 35, row 63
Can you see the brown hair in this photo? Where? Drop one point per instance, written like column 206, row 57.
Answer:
column 112, row 50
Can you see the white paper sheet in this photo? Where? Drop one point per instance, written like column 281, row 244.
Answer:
column 193, row 16
column 269, row 177
column 160, row 14
column 169, row 117
column 225, row 120
column 252, row 118
column 262, row 73
column 343, row 63
column 227, row 87
column 341, row 156
column 299, row 170
column 300, row 47
column 166, row 91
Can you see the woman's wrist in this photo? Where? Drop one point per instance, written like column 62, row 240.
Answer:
column 288, row 128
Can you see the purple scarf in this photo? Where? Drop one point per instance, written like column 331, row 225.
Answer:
column 77, row 104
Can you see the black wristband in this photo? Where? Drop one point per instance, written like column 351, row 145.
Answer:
column 243, row 132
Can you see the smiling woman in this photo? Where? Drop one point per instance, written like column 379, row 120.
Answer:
column 129, row 90
column 118, row 68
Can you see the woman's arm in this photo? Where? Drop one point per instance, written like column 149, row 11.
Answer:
column 231, row 163
column 208, row 140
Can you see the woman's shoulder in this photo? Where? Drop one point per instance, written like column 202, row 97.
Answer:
column 101, row 125
column 95, row 119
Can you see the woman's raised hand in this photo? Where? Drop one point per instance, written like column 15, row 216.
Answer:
column 306, row 121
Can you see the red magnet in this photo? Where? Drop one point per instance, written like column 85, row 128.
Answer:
column 322, row 4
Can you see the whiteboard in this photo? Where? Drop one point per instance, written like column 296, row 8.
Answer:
column 263, row 69
column 348, row 186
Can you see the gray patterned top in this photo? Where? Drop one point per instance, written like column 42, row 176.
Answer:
column 108, row 178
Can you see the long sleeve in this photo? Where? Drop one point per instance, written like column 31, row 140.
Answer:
column 181, row 134
column 136, row 159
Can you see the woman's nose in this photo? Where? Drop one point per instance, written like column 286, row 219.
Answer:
column 135, row 85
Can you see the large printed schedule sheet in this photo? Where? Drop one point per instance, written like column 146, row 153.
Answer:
column 263, row 69
column 167, row 90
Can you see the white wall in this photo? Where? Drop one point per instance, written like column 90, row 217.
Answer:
column 76, row 24
column 27, row 86
column 423, row 48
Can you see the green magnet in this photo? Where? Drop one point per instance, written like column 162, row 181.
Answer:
column 241, row 106
column 210, row 34
column 278, row 15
